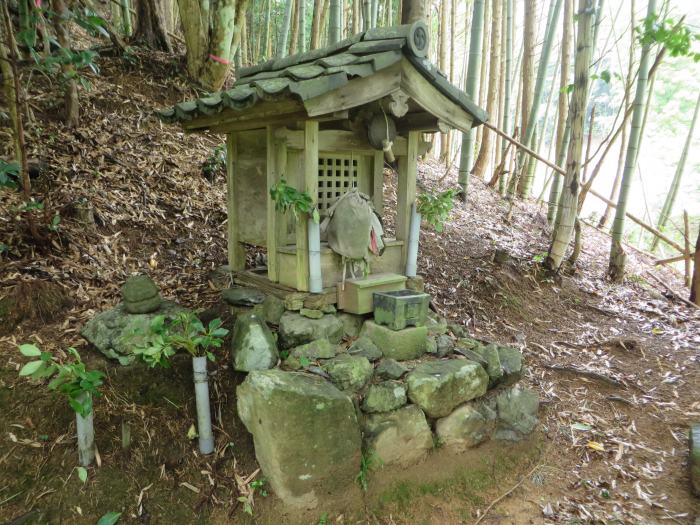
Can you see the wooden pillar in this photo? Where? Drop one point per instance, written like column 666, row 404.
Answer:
column 308, row 183
column 406, row 191
column 273, row 176
column 236, row 253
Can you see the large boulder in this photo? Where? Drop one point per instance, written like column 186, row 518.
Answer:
column 402, row 345
column 694, row 458
column 439, row 386
column 352, row 324
column 253, row 346
column 117, row 332
column 511, row 364
column 295, row 329
column 490, row 355
column 306, row 434
column 517, row 413
column 467, row 426
column 384, row 397
column 140, row 295
column 348, row 372
column 399, row 437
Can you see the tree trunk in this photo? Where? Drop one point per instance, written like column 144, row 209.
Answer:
column 529, row 43
column 483, row 74
column 616, row 267
column 126, row 17
column 283, row 40
column 302, row 26
column 267, row 40
column 494, row 65
column 70, row 96
column 472, row 81
column 335, row 28
column 413, row 10
column 356, row 27
column 295, row 28
column 569, row 198
column 150, row 26
column 533, row 113
column 508, row 42
column 667, row 208
column 316, row 24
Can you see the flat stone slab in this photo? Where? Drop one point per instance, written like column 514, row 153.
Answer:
column 253, row 346
column 694, row 458
column 402, row 345
column 467, row 426
column 440, row 386
column 241, row 296
column 295, row 329
column 400, row 437
column 116, row 332
column 306, row 434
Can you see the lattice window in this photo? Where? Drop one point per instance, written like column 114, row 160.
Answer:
column 336, row 175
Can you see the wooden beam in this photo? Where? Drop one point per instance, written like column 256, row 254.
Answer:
column 406, row 190
column 260, row 113
column 236, row 253
column 334, row 140
column 431, row 100
column 671, row 260
column 272, row 178
column 356, row 92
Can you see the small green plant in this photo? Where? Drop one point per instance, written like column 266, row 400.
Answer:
column 72, row 379
column 111, row 518
column 323, row 520
column 676, row 37
column 539, row 258
column 289, row 198
column 248, row 494
column 215, row 162
column 9, row 175
column 436, row 208
column 184, row 332
column 368, row 461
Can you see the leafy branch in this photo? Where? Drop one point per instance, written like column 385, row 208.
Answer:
column 436, row 208
column 289, row 198
column 71, row 379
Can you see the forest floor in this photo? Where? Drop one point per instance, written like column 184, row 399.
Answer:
column 616, row 366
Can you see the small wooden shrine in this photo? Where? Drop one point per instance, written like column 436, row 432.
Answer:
column 321, row 120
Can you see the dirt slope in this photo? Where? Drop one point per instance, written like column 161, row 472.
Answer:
column 616, row 366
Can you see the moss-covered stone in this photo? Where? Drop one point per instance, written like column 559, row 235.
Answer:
column 439, row 386
column 467, row 426
column 365, row 347
column 517, row 413
column 384, row 397
column 445, row 345
column 349, row 373
column 319, row 349
column 295, row 329
column 390, row 369
column 117, row 332
column 311, row 314
column 352, row 324
column 402, row 345
column 253, row 345
column 273, row 309
column 511, row 364
column 400, row 437
column 140, row 295
column 694, row 458
column 242, row 296
column 306, row 434
column 295, row 301
column 490, row 355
